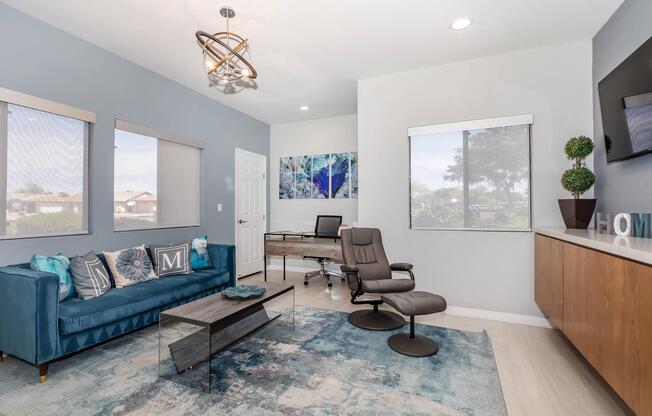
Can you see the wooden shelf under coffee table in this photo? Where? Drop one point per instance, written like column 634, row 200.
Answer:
column 191, row 335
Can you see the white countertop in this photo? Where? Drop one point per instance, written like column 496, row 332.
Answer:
column 639, row 249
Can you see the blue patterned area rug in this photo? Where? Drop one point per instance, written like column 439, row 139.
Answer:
column 325, row 366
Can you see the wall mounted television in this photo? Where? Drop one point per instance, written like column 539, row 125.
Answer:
column 626, row 104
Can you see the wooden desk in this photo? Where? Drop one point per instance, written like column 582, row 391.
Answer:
column 300, row 245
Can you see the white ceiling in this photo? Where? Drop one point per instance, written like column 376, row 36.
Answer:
column 313, row 51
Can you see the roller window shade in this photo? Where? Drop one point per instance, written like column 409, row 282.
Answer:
column 43, row 173
column 156, row 181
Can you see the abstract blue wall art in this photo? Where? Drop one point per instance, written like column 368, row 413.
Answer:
column 303, row 186
column 354, row 174
column 340, row 175
column 286, row 179
column 325, row 176
column 321, row 176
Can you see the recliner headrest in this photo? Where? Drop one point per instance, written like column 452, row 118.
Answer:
column 361, row 236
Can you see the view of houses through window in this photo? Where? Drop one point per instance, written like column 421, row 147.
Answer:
column 135, row 181
column 156, row 182
column 43, row 172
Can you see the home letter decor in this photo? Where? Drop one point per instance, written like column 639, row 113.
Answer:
column 641, row 225
column 618, row 224
column 604, row 223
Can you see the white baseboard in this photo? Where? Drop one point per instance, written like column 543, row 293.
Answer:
column 513, row 318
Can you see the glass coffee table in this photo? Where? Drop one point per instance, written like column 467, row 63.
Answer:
column 191, row 335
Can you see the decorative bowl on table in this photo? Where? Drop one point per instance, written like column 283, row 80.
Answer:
column 243, row 291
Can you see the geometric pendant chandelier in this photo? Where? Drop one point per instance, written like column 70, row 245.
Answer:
column 224, row 54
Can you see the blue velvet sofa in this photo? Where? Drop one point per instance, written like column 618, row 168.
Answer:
column 37, row 328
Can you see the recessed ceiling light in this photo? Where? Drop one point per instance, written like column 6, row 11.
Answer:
column 304, row 108
column 461, row 23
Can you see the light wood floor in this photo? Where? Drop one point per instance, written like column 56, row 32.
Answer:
column 540, row 372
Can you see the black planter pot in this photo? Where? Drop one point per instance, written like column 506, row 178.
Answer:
column 577, row 213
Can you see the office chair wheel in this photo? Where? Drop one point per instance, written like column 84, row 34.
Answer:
column 305, row 283
column 330, row 284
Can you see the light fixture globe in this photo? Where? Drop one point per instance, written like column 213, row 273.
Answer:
column 224, row 53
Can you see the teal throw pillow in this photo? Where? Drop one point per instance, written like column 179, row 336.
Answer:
column 59, row 265
column 199, row 258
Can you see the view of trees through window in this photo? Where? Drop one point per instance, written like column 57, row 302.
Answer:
column 44, row 173
column 472, row 179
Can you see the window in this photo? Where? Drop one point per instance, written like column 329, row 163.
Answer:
column 471, row 175
column 43, row 170
column 156, row 180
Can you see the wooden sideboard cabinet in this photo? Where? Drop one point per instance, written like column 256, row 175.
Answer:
column 549, row 282
column 603, row 305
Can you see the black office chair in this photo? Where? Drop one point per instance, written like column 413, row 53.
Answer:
column 326, row 226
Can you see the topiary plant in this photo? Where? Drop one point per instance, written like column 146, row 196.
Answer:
column 579, row 178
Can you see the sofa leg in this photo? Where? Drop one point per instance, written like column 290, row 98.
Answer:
column 2, row 357
column 42, row 373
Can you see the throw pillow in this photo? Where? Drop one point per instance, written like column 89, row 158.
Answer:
column 89, row 276
column 171, row 259
column 59, row 265
column 130, row 266
column 199, row 258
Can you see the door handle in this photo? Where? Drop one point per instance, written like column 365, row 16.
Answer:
column 241, row 221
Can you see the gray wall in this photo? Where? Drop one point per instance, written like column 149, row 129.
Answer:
column 621, row 186
column 40, row 60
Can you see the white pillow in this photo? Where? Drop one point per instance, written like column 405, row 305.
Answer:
column 130, row 266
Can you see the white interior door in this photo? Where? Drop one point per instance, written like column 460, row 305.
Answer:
column 250, row 211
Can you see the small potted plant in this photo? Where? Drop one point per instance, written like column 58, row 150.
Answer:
column 577, row 213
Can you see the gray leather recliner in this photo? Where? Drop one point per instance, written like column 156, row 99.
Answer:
column 367, row 270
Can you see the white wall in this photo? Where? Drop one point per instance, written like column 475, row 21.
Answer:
column 482, row 270
column 336, row 134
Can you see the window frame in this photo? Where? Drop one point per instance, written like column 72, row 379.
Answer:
column 495, row 122
column 200, row 145
column 15, row 98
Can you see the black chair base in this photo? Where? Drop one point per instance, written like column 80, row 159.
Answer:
column 321, row 273
column 376, row 320
column 326, row 274
column 413, row 345
column 419, row 346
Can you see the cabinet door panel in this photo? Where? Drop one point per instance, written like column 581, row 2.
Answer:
column 636, row 345
column 549, row 277
column 608, row 317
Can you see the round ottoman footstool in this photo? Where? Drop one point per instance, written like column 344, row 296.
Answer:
column 412, row 304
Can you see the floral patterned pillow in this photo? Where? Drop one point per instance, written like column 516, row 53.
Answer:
column 130, row 266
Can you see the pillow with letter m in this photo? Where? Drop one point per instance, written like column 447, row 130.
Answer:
column 169, row 260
